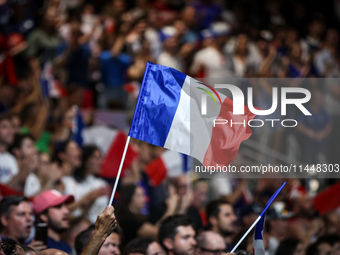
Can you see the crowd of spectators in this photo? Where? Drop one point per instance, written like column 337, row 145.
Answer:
column 62, row 60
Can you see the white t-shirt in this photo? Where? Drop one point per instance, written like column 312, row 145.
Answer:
column 220, row 187
column 8, row 167
column 214, row 63
column 273, row 244
column 79, row 190
column 166, row 59
column 32, row 185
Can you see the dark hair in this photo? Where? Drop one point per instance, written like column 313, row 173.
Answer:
column 287, row 246
column 18, row 140
column 10, row 246
column 7, row 202
column 168, row 227
column 213, row 208
column 5, row 116
column 139, row 243
column 312, row 249
column 88, row 151
column 60, row 147
column 138, row 250
column 125, row 199
column 330, row 239
column 83, row 238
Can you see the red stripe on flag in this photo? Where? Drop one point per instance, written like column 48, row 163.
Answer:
column 327, row 200
column 7, row 191
column 156, row 171
column 226, row 139
column 114, row 155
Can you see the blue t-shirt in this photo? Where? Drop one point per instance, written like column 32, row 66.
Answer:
column 61, row 245
column 317, row 121
column 206, row 13
column 77, row 64
column 113, row 68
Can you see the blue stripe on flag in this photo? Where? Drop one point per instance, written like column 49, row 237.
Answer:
column 186, row 163
column 259, row 228
column 45, row 91
column 155, row 111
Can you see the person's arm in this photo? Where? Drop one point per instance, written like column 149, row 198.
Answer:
column 34, row 96
column 268, row 61
column 150, row 230
column 105, row 224
column 307, row 131
column 86, row 201
column 61, row 60
column 40, row 122
column 25, row 166
column 325, row 132
column 235, row 195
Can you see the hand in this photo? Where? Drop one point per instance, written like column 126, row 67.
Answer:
column 186, row 49
column 103, row 191
column 272, row 51
column 186, row 201
column 38, row 246
column 172, row 200
column 305, row 70
column 55, row 173
column 94, row 194
column 316, row 226
column 106, row 222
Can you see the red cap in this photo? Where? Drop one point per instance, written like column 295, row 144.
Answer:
column 50, row 198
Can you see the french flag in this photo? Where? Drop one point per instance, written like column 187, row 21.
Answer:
column 169, row 164
column 111, row 142
column 50, row 87
column 168, row 114
column 258, row 247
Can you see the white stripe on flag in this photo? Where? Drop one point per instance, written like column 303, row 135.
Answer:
column 190, row 133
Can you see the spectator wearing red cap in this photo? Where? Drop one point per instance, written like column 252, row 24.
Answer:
column 50, row 207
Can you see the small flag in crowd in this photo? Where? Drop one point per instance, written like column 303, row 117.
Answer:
column 50, row 87
column 168, row 115
column 170, row 163
column 111, row 142
column 258, row 246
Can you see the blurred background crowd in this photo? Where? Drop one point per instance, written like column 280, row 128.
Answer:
column 70, row 73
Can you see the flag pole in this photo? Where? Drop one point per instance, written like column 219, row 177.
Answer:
column 260, row 216
column 245, row 234
column 119, row 170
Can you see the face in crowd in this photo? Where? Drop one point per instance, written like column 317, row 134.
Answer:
column 6, row 132
column 57, row 218
column 225, row 220
column 18, row 222
column 183, row 243
column 111, row 245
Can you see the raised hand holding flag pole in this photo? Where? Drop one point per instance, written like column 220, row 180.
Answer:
column 168, row 104
column 259, row 222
